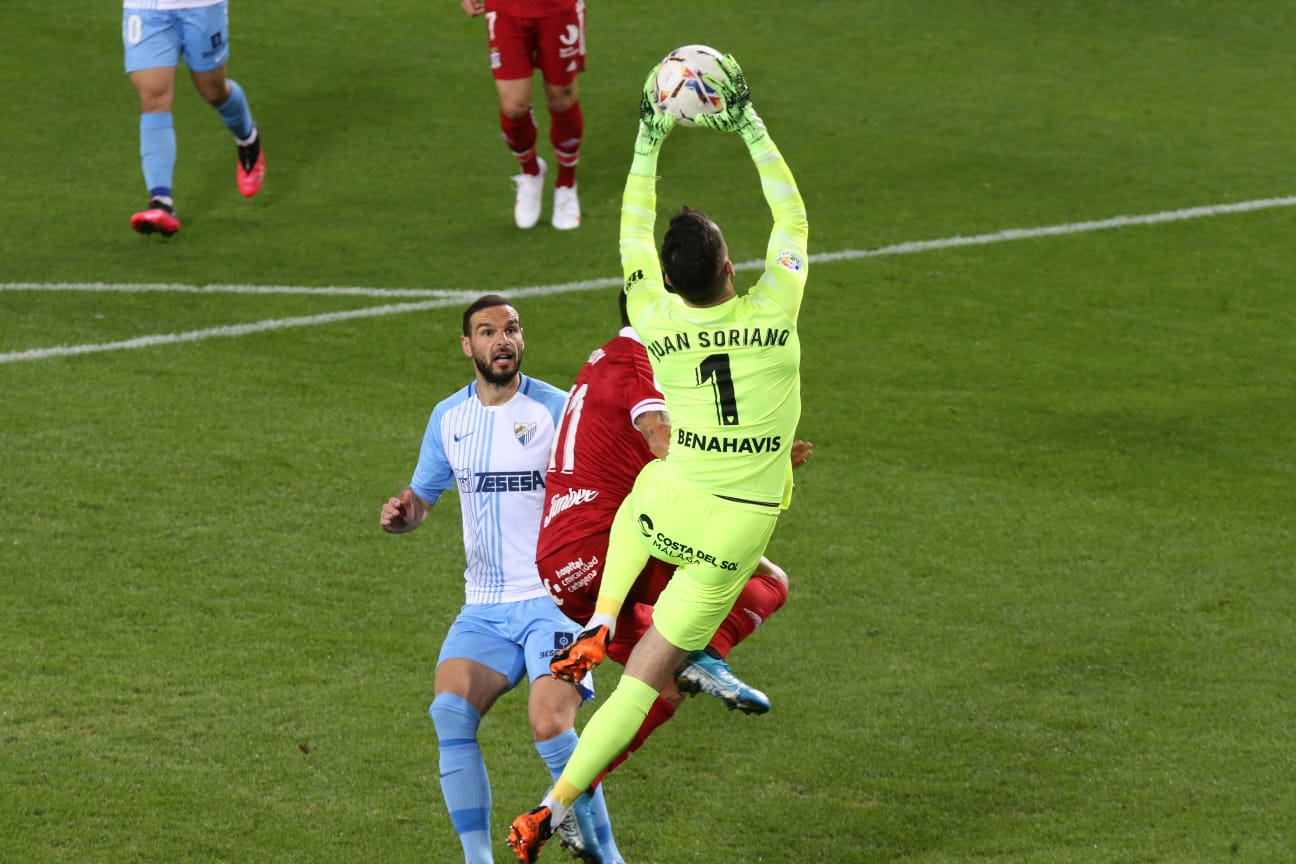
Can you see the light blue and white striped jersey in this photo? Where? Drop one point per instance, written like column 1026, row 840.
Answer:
column 496, row 456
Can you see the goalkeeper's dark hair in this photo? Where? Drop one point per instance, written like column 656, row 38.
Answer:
column 693, row 256
column 486, row 301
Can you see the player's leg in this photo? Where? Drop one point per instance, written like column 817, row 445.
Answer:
column 551, row 710
column 708, row 671
column 477, row 663
column 561, row 58
column 151, row 44
column 687, row 614
column 511, row 48
column 206, row 50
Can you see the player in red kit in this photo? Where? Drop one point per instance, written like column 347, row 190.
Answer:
column 613, row 424
column 548, row 35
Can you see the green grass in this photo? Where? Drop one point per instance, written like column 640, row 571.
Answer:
column 1041, row 562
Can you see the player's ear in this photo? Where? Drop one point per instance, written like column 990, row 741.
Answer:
column 729, row 268
column 467, row 345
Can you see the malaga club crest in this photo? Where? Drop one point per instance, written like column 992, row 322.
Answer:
column 524, row 432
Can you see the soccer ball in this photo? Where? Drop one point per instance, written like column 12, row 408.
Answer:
column 681, row 89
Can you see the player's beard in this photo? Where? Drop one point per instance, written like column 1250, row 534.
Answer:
column 497, row 379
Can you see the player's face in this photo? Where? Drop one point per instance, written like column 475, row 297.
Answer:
column 495, row 344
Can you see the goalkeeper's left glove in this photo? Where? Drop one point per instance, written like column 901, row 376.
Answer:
column 738, row 116
column 654, row 125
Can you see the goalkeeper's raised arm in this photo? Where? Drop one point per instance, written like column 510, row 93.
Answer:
column 786, row 256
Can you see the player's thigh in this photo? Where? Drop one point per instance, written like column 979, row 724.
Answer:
column 479, row 685
column 543, row 630
column 560, row 48
column 205, row 37
column 513, row 43
column 150, row 39
column 484, row 634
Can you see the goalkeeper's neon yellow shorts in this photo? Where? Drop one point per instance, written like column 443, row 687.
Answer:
column 716, row 543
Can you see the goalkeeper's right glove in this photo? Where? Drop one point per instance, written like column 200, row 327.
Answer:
column 654, row 125
column 738, row 116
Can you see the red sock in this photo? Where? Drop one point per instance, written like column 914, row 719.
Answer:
column 659, row 713
column 761, row 597
column 565, row 132
column 520, row 136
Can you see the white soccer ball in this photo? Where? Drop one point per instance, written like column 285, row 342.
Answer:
column 681, row 89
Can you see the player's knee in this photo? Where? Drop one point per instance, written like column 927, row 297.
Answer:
column 453, row 716
column 769, row 569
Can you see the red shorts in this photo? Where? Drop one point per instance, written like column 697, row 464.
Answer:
column 554, row 44
column 573, row 575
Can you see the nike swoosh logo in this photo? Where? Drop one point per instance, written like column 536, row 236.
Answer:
column 459, row 438
column 448, row 773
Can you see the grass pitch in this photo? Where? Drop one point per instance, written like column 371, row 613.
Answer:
column 1041, row 563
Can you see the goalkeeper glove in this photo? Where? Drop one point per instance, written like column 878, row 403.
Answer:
column 654, row 125
column 738, row 116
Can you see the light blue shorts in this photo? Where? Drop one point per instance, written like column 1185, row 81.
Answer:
column 154, row 38
column 512, row 638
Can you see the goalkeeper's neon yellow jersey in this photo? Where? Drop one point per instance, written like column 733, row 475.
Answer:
column 730, row 373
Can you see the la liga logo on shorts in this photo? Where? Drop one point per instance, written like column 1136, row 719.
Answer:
column 563, row 640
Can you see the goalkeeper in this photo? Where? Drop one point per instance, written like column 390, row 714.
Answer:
column 729, row 369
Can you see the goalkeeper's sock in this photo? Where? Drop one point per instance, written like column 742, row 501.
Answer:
column 157, row 151
column 605, row 735
column 660, row 712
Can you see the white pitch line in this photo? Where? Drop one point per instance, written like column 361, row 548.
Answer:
column 441, row 298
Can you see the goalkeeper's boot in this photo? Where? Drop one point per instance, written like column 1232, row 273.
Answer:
column 578, row 658
column 566, row 208
column 702, row 673
column 159, row 216
column 577, row 835
column 528, row 833
column 251, row 166
column 530, row 189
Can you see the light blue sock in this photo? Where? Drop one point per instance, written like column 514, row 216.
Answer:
column 591, row 811
column 603, row 825
column 157, row 151
column 235, row 113
column 464, row 783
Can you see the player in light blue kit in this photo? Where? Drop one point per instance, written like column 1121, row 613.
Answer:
column 491, row 441
column 156, row 34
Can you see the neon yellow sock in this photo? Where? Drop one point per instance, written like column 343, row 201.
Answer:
column 611, row 728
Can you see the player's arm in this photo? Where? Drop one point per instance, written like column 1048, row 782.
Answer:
column 656, row 428
column 786, row 256
column 403, row 512
column 639, row 264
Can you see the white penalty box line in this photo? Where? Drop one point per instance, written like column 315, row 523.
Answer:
column 441, row 298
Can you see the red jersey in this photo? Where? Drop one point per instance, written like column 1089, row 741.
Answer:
column 598, row 450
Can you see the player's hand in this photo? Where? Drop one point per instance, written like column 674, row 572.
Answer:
column 473, row 7
column 654, row 126
column 801, row 452
column 397, row 514
column 738, row 116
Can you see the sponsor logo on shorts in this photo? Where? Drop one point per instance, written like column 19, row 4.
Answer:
column 575, row 575
column 561, row 642
column 676, row 550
